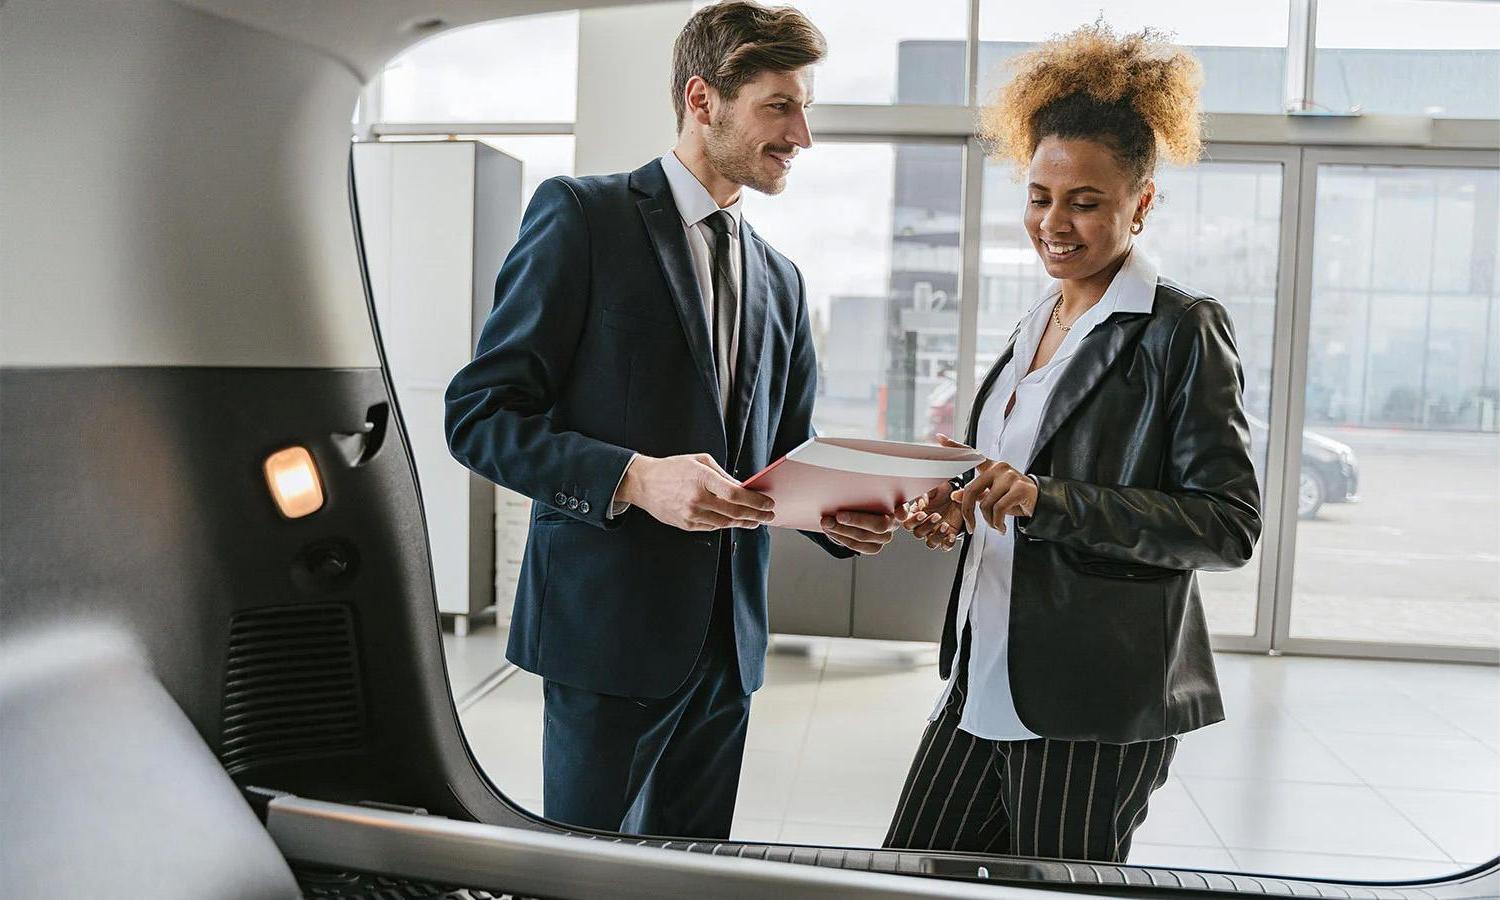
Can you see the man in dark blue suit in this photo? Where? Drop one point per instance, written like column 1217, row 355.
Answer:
column 646, row 353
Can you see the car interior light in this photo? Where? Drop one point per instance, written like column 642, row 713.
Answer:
column 293, row 479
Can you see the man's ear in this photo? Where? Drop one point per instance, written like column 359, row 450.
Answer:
column 700, row 98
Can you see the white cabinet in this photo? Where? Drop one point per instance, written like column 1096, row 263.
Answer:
column 438, row 218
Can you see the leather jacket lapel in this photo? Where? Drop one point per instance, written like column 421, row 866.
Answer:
column 1095, row 355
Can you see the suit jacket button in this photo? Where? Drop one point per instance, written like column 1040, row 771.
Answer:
column 584, row 507
column 561, row 499
column 572, row 503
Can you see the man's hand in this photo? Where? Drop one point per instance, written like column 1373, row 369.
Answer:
column 692, row 493
column 864, row 533
column 998, row 491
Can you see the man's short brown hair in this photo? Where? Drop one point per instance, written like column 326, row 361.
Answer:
column 729, row 43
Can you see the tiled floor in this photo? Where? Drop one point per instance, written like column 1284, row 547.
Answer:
column 1325, row 767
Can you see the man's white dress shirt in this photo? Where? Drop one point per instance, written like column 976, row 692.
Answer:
column 696, row 204
column 984, row 596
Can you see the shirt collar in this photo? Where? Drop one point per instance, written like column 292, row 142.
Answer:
column 693, row 200
column 1133, row 289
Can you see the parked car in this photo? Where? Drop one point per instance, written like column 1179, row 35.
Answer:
column 1329, row 471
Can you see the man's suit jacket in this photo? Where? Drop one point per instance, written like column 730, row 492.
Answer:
column 598, row 347
column 1144, row 474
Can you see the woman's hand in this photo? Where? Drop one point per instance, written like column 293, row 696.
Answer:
column 934, row 518
column 997, row 491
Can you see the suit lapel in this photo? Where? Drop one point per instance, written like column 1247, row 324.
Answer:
column 1095, row 355
column 754, row 303
column 664, row 226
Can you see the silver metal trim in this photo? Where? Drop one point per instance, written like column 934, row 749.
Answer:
column 1295, row 401
column 971, row 242
column 971, row 55
column 1455, row 158
column 1236, row 643
column 1371, row 130
column 381, row 129
column 1301, row 53
column 483, row 688
column 1444, row 653
column 525, row 862
column 895, row 122
column 1282, row 440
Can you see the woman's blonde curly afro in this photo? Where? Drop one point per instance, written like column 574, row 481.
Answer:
column 1089, row 84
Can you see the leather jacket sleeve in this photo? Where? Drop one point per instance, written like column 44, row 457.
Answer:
column 1206, row 512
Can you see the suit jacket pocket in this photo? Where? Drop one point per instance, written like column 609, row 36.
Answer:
column 1105, row 567
column 550, row 516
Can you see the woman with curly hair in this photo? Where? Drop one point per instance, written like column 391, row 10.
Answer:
column 1118, row 466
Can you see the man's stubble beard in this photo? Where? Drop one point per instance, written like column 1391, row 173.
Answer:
column 735, row 159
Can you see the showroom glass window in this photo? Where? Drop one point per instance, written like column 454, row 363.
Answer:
column 879, row 52
column 881, row 265
column 1408, row 57
column 1242, row 43
column 459, row 77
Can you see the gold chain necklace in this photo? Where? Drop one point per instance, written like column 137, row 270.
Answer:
column 1058, row 319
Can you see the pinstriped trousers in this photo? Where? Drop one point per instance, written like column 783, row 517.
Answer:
column 1040, row 798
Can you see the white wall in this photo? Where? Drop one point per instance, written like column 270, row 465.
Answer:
column 174, row 192
column 625, row 113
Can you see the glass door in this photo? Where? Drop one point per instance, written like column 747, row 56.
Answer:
column 1394, row 549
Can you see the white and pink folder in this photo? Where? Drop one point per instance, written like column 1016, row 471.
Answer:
column 825, row 475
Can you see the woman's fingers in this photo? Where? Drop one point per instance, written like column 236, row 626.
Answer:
column 912, row 517
column 974, row 492
column 946, row 441
column 981, row 496
column 1015, row 499
column 962, row 498
column 935, row 524
column 1006, row 503
column 987, row 509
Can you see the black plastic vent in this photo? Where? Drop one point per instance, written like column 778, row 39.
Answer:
column 291, row 686
column 335, row 884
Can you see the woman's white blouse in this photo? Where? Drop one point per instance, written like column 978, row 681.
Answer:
column 984, row 596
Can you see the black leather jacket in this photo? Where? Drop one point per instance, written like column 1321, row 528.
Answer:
column 1143, row 463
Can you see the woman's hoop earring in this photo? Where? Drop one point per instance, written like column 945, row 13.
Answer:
column 1137, row 226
